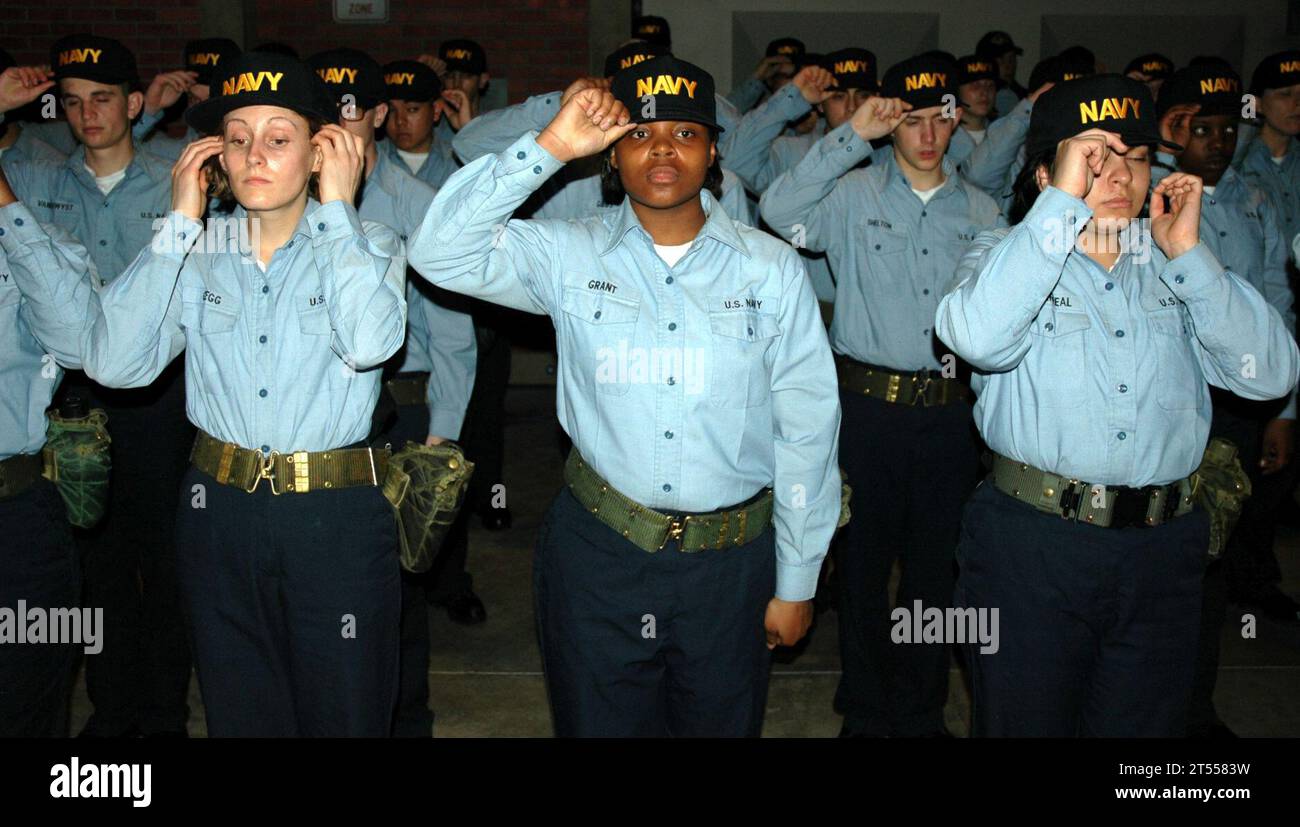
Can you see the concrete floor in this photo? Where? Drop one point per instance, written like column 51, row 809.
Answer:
column 486, row 680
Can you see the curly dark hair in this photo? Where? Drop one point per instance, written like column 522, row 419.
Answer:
column 612, row 192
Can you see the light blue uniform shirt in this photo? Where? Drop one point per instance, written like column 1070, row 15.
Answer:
column 160, row 143
column 45, row 285
column 1005, row 101
column 1239, row 224
column 987, row 164
column 29, row 148
column 785, row 154
column 747, row 95
column 113, row 227
column 688, row 388
column 437, row 167
column 1101, row 376
column 893, row 257
column 278, row 361
column 439, row 340
column 1280, row 181
column 575, row 192
column 54, row 133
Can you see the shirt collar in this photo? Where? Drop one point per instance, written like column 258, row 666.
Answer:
column 303, row 229
column 891, row 172
column 717, row 225
column 77, row 163
column 1260, row 157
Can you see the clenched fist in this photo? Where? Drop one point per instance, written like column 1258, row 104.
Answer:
column 588, row 123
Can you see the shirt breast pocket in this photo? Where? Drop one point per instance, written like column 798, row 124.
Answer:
column 211, row 340
column 1059, row 355
column 1179, row 376
column 740, row 342
column 597, row 338
column 884, row 246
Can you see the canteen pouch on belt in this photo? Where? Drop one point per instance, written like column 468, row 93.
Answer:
column 1221, row 487
column 426, row 486
column 78, row 462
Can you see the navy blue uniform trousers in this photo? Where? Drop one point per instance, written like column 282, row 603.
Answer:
column 293, row 604
column 636, row 643
column 38, row 565
column 911, row 468
column 1097, row 629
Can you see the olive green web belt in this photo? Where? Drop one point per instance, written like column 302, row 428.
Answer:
column 651, row 530
column 299, row 472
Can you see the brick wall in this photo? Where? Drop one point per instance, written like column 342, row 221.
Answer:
column 539, row 45
column 156, row 30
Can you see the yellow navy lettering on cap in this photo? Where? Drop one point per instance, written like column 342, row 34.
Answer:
column 205, row 58
column 924, row 80
column 1108, row 108
column 251, row 82
column 649, row 28
column 337, row 74
column 665, row 85
column 1209, row 85
column 786, row 50
column 1071, row 76
column 1153, row 65
column 1289, row 66
column 978, row 66
column 846, row 66
column 79, row 56
column 400, row 78
column 459, row 54
column 632, row 60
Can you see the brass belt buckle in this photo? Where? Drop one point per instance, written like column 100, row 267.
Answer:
column 301, row 472
column 265, row 471
column 675, row 530
column 925, row 386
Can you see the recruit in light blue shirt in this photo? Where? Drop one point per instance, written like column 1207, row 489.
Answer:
column 283, row 360
column 45, row 285
column 1239, row 224
column 1101, row 376
column 1280, row 180
column 893, row 256
column 113, row 227
column 688, row 388
column 439, row 340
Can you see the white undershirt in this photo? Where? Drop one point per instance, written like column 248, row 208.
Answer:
column 107, row 182
column 978, row 135
column 414, row 160
column 926, row 195
column 672, row 253
column 1277, row 159
column 4, row 149
column 1208, row 190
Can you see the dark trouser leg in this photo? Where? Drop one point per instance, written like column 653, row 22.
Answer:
column 230, row 578
column 599, row 601
column 294, row 604
column 341, row 595
column 1143, row 674
column 874, row 455
column 142, row 675
column 910, row 469
column 38, row 566
column 1097, row 627
column 412, row 718
column 484, row 432
column 943, row 465
column 715, row 645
